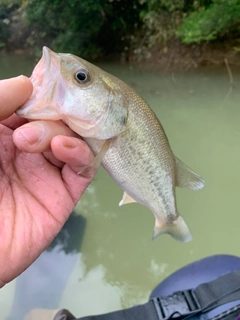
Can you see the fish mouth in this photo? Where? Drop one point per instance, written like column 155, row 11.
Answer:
column 41, row 69
column 45, row 89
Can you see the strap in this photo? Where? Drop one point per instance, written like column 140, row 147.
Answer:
column 182, row 304
column 220, row 291
column 146, row 311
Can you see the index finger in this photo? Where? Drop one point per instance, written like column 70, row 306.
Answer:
column 13, row 93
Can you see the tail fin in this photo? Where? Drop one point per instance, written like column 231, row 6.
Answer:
column 178, row 229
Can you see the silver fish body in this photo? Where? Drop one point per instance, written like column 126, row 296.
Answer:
column 104, row 108
column 144, row 169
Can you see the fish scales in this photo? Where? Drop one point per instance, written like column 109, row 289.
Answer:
column 136, row 160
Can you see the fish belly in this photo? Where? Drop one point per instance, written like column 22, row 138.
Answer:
column 142, row 164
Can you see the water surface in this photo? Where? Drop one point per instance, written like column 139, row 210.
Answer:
column 104, row 258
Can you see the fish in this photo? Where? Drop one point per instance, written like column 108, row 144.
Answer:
column 120, row 128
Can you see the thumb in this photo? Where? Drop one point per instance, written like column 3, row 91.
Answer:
column 13, row 93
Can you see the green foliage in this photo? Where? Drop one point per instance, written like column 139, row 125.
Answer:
column 160, row 19
column 88, row 27
column 9, row 4
column 6, row 9
column 99, row 28
column 209, row 23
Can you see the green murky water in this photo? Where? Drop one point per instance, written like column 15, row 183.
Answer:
column 104, row 258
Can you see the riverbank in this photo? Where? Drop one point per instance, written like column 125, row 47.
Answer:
column 176, row 56
column 172, row 57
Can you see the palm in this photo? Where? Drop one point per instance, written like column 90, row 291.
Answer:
column 36, row 199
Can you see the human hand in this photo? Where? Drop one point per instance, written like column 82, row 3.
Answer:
column 39, row 184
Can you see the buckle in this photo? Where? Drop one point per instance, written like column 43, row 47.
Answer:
column 179, row 305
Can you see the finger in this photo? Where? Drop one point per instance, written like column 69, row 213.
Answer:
column 49, row 156
column 73, row 151
column 14, row 122
column 13, row 93
column 36, row 136
column 76, row 154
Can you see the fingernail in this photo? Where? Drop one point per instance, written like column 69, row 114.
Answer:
column 69, row 143
column 33, row 133
column 22, row 78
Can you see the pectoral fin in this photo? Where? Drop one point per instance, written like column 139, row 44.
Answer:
column 187, row 178
column 126, row 199
column 95, row 163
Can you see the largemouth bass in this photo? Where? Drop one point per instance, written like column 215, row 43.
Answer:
column 120, row 128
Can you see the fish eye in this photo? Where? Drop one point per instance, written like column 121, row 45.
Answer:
column 82, row 76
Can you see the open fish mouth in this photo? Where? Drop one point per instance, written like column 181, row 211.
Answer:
column 44, row 78
column 41, row 69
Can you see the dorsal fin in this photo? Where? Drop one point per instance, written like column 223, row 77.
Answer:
column 187, row 178
column 126, row 199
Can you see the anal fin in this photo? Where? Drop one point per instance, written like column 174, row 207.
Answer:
column 126, row 199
